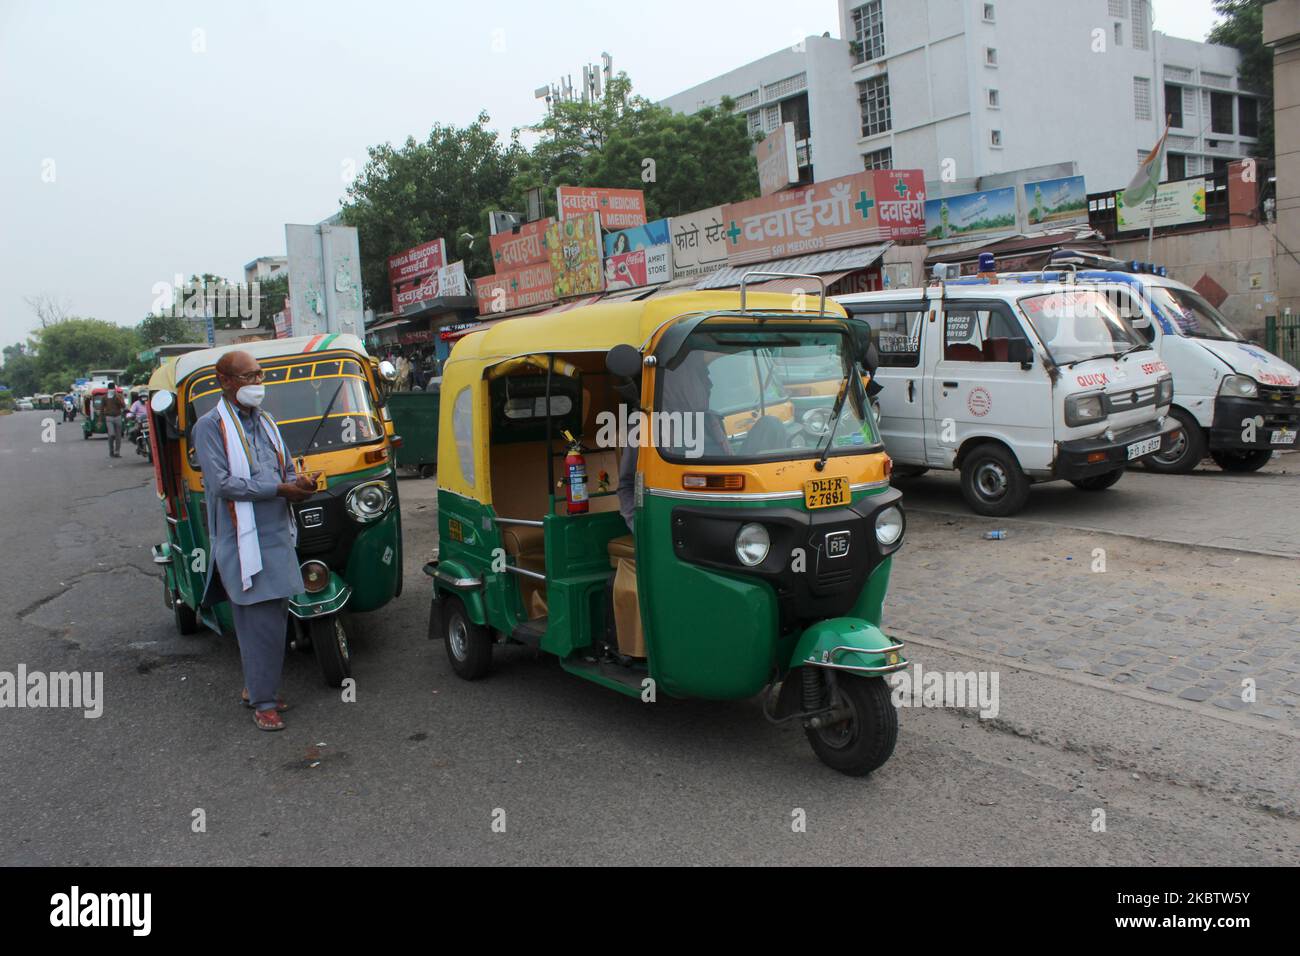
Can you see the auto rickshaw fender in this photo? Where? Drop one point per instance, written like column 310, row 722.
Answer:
column 825, row 642
column 472, row 598
column 330, row 600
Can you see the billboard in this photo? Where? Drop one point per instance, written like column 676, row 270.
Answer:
column 640, row 237
column 699, row 242
column 1056, row 201
column 777, row 166
column 1173, row 204
column 971, row 214
column 853, row 210
column 448, row 280
column 629, row 270
column 576, row 261
column 515, row 289
column 324, row 279
column 526, row 247
column 618, row 208
column 417, row 262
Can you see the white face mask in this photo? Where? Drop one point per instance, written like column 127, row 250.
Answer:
column 251, row 395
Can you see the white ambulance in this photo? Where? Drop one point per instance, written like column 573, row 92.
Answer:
column 1012, row 384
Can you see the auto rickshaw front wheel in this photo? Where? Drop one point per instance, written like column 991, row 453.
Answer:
column 469, row 645
column 864, row 738
column 329, row 641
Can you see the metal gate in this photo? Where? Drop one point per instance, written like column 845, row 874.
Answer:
column 1282, row 337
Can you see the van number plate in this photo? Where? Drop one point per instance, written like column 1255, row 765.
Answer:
column 826, row 492
column 1140, row 448
column 1283, row 436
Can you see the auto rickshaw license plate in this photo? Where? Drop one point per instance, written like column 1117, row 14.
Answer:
column 826, row 492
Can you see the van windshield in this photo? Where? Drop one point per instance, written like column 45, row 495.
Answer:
column 760, row 395
column 1191, row 315
column 1079, row 324
column 298, row 395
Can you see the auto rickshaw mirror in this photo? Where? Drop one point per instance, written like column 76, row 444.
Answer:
column 160, row 401
column 624, row 361
column 388, row 371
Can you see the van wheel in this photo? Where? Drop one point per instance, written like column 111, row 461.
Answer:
column 469, row 645
column 1239, row 461
column 992, row 482
column 329, row 641
column 864, row 740
column 1185, row 454
column 1098, row 482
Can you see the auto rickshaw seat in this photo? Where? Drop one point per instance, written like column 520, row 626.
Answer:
column 624, row 547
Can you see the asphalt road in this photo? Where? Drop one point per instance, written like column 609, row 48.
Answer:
column 417, row 769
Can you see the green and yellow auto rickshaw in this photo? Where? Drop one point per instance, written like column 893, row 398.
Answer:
column 764, row 519
column 326, row 395
column 92, row 407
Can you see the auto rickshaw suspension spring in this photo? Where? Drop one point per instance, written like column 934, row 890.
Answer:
column 812, row 689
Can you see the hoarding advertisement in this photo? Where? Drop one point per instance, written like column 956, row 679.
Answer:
column 517, row 289
column 993, row 210
column 854, row 210
column 629, row 270
column 417, row 262
column 1056, row 201
column 640, row 237
column 777, row 167
column 618, row 208
column 514, row 250
column 699, row 242
column 576, row 260
column 448, row 280
column 1173, row 204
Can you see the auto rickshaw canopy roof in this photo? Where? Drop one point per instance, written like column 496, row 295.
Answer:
column 192, row 362
column 163, row 378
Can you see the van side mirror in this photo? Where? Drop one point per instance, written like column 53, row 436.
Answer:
column 1019, row 350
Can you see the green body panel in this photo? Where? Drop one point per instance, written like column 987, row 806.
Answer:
column 818, row 640
column 578, row 572
column 374, row 567
column 95, row 425
column 467, row 535
column 415, row 419
column 333, row 598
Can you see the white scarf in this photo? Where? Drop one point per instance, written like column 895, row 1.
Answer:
column 241, row 512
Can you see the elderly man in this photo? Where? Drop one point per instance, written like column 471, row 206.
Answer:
column 249, row 479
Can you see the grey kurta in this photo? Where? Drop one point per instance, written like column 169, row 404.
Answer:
column 280, row 577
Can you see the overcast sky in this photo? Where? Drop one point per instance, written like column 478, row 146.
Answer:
column 143, row 139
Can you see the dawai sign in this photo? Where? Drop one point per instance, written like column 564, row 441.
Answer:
column 857, row 210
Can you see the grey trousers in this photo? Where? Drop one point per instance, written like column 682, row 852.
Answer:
column 260, row 629
column 114, row 425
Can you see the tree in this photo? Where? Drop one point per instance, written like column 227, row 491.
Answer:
column 442, row 187
column 1243, row 29
column 165, row 329
column 69, row 349
column 47, row 309
column 620, row 140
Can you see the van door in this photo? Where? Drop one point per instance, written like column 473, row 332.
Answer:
column 977, row 390
column 896, row 328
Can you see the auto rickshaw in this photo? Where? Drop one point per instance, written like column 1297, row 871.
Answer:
column 326, row 395
column 57, row 403
column 764, row 519
column 44, row 401
column 92, row 406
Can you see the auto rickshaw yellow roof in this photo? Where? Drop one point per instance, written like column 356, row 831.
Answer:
column 599, row 327
column 191, row 362
column 163, row 378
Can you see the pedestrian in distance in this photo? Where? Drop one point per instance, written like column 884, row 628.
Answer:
column 114, row 408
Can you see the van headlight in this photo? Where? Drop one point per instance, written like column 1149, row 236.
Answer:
column 368, row 501
column 889, row 526
column 752, row 544
column 1238, row 386
column 1084, row 408
column 1165, row 390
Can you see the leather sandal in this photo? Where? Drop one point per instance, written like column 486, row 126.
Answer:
column 268, row 720
column 280, row 705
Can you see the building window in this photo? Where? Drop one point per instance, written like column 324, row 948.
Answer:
column 1247, row 116
column 988, row 13
column 1177, row 165
column 1141, row 98
column 1174, row 104
column 869, row 32
column 873, row 99
column 791, row 84
column 880, row 159
column 1221, row 112
column 995, row 138
column 990, row 56
column 1118, row 8
column 1119, row 34
column 995, row 100
column 1141, row 23
column 771, row 118
column 755, row 122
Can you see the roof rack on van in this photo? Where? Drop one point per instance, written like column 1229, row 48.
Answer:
column 1075, row 259
column 783, row 275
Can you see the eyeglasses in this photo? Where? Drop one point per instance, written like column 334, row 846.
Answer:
column 249, row 378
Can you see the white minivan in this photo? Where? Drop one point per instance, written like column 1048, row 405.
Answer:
column 1235, row 400
column 1012, row 384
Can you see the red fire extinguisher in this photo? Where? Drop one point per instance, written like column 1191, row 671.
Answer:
column 575, row 483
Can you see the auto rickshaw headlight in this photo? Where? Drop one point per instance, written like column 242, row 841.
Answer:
column 752, row 544
column 369, row 501
column 889, row 526
column 315, row 576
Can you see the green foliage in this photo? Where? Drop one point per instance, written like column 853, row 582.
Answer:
column 166, row 329
column 1242, row 28
column 55, row 355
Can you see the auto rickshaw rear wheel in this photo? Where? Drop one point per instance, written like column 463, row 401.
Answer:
column 187, row 622
column 865, row 739
column 469, row 645
column 329, row 641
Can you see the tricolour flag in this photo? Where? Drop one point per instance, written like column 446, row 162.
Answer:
column 1147, row 179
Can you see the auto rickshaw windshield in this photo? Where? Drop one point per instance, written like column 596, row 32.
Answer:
column 761, row 395
column 318, row 406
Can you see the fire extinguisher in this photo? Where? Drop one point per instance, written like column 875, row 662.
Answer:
column 575, row 482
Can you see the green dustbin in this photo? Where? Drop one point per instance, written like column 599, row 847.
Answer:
column 415, row 419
